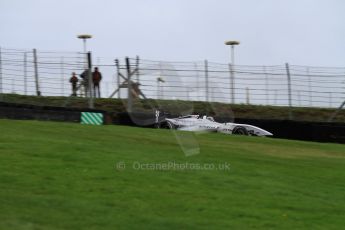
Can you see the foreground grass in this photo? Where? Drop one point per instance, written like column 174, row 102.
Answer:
column 63, row 176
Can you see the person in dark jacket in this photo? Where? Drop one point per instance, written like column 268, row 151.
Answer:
column 85, row 82
column 74, row 81
column 96, row 79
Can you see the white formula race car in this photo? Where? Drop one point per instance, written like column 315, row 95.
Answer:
column 196, row 123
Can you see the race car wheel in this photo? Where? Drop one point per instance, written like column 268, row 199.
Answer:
column 167, row 125
column 239, row 130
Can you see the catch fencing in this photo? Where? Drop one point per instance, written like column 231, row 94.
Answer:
column 47, row 73
column 32, row 72
column 283, row 85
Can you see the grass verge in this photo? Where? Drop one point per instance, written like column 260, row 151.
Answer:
column 67, row 176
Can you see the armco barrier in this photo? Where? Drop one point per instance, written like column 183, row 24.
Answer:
column 297, row 130
column 301, row 130
column 45, row 113
column 135, row 119
column 286, row 129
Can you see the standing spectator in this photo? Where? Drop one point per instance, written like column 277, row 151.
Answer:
column 74, row 80
column 85, row 82
column 96, row 78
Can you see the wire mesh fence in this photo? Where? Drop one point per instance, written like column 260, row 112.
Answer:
column 32, row 72
column 265, row 85
column 47, row 73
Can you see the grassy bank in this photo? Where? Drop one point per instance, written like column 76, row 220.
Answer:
column 67, row 176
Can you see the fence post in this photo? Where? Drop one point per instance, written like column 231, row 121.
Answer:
column 197, row 79
column 137, row 60
column 266, row 86
column 289, row 89
column 62, row 77
column 232, row 83
column 309, row 88
column 129, row 85
column 206, row 80
column 159, row 88
column 118, row 77
column 38, row 92
column 299, row 97
column 25, row 74
column 0, row 71
column 89, row 63
column 247, row 96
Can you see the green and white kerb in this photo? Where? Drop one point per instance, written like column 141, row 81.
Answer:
column 91, row 118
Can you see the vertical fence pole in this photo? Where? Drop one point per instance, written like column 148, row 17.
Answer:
column 25, row 74
column 158, row 85
column 89, row 77
column 129, row 81
column 0, row 71
column 309, row 88
column 62, row 77
column 232, row 83
column 247, row 96
column 158, row 80
column 137, row 60
column 206, row 80
column 299, row 97
column 289, row 89
column 162, row 92
column 38, row 92
column 118, row 78
column 197, row 81
column 266, row 86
